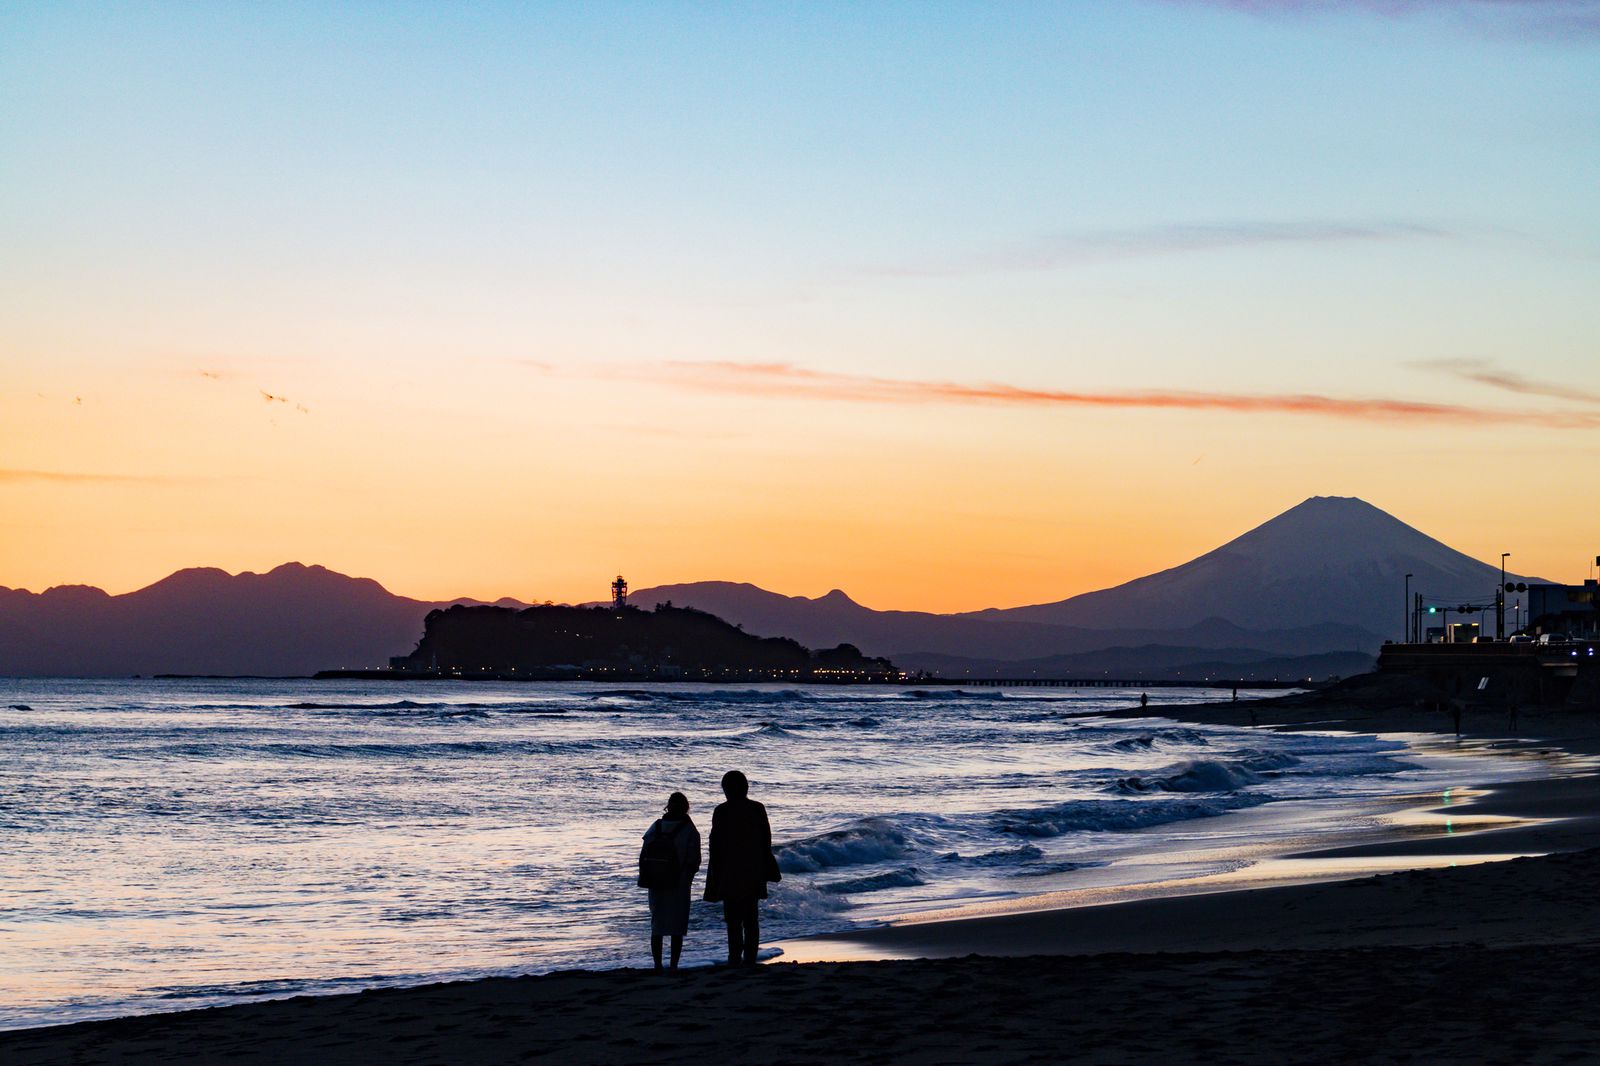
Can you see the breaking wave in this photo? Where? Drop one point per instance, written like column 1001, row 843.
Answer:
column 867, row 841
column 1209, row 775
column 794, row 902
column 440, row 709
column 443, row 749
column 999, row 857
column 785, row 696
column 1097, row 815
column 776, row 729
column 905, row 877
column 952, row 694
column 1163, row 739
column 1045, row 869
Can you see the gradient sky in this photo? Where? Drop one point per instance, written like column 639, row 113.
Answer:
column 948, row 305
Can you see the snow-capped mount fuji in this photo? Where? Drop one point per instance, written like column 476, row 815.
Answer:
column 1327, row 575
column 1330, row 559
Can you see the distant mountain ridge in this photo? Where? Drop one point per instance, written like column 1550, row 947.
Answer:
column 991, row 635
column 1323, row 578
column 290, row 621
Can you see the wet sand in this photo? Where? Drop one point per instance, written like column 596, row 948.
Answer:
column 1469, row 899
column 1396, row 1004
column 1486, row 962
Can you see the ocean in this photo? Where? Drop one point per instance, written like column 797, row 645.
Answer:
column 183, row 843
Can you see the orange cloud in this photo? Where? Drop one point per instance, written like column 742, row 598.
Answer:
column 785, row 380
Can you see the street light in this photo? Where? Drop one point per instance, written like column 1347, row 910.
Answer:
column 1405, row 634
column 1500, row 600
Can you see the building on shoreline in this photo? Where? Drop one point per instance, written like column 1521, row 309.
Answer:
column 1570, row 610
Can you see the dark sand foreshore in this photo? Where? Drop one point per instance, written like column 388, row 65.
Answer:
column 1460, row 1003
column 1494, row 962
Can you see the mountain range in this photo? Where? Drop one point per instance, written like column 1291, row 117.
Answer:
column 1311, row 592
column 289, row 622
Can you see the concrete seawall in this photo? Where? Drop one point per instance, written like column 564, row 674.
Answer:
column 1531, row 675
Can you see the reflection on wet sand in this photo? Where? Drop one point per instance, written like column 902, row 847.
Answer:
column 1257, row 860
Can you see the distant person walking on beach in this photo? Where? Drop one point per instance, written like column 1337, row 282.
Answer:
column 667, row 864
column 741, row 865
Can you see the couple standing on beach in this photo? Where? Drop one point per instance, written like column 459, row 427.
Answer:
column 740, row 867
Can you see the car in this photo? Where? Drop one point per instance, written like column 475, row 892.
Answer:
column 1553, row 638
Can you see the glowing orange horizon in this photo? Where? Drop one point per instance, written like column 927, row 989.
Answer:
column 541, row 482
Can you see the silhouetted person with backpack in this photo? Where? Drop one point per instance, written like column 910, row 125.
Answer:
column 741, row 865
column 667, row 865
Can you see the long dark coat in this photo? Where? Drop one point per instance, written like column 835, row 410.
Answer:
column 741, row 851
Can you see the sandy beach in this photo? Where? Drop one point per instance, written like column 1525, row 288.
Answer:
column 1481, row 961
column 1461, row 1003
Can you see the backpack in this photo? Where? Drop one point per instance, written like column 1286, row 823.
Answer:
column 658, row 863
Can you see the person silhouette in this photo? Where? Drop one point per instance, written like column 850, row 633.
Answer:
column 668, row 861
column 741, row 864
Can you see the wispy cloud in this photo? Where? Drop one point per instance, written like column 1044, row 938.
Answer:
column 1063, row 250
column 1484, row 372
column 787, row 381
column 1555, row 20
column 65, row 477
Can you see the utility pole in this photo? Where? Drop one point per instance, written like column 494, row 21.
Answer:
column 1405, row 633
column 1500, row 600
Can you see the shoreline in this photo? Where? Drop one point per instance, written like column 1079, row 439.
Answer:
column 1493, row 958
column 1545, row 815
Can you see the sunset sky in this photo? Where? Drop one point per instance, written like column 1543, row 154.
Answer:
column 947, row 305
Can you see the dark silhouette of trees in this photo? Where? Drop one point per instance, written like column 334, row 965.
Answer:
column 668, row 639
